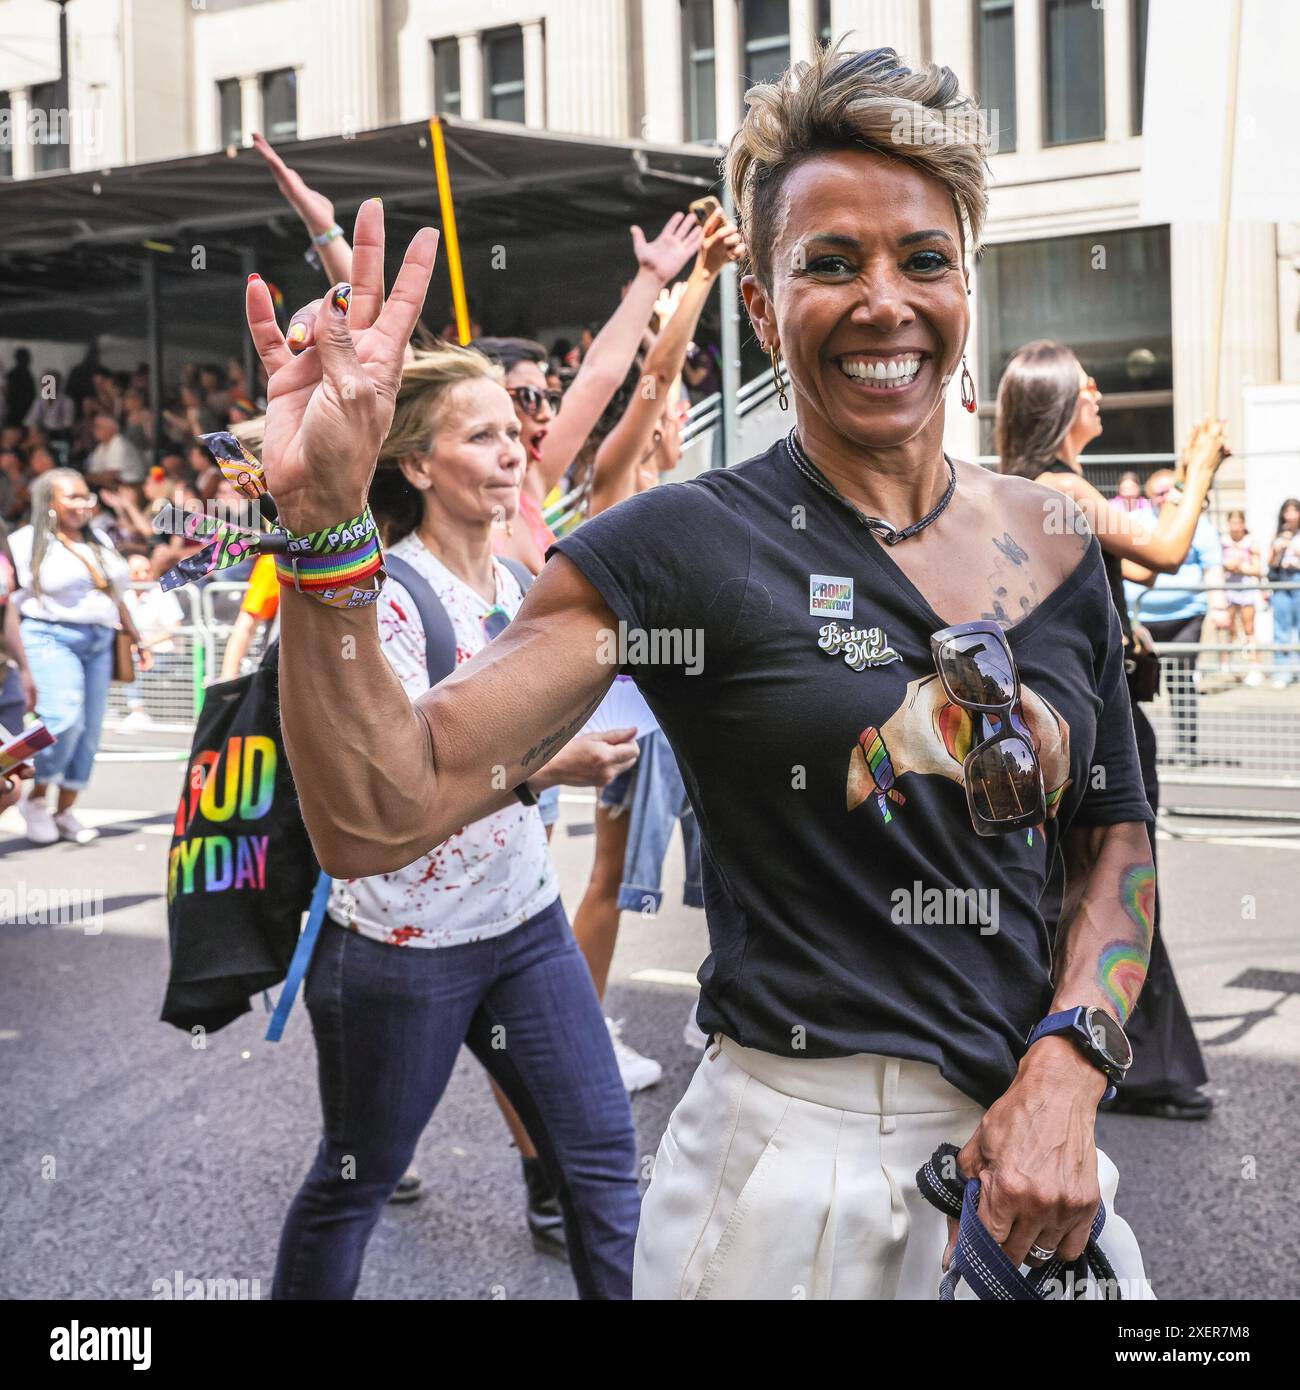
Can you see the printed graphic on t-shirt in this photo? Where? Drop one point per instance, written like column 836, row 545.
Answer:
column 929, row 736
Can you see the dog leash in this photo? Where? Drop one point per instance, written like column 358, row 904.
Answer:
column 981, row 1261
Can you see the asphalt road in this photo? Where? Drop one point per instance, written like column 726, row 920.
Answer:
column 127, row 1155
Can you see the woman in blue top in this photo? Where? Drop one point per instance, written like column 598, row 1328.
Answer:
column 896, row 730
column 1173, row 609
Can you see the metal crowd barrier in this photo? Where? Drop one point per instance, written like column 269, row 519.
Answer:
column 1228, row 712
column 187, row 658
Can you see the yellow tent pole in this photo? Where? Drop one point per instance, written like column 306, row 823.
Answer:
column 1225, row 207
column 449, row 237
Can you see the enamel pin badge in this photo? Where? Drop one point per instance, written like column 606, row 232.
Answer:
column 860, row 646
column 831, row 596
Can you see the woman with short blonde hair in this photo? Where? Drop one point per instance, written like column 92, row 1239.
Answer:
column 466, row 943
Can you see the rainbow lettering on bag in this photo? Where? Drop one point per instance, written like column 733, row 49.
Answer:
column 237, row 781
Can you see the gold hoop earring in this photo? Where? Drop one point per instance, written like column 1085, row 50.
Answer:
column 968, row 388
column 781, row 398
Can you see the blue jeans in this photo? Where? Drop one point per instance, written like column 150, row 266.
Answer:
column 1286, row 626
column 72, row 665
column 658, row 800
column 389, row 1022
column 548, row 804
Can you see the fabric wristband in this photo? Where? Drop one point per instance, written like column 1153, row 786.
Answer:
column 331, row 564
column 330, row 234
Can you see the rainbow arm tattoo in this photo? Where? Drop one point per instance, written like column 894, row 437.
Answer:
column 1122, row 968
column 1107, row 920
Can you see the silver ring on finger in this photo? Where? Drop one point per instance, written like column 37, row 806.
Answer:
column 1036, row 1252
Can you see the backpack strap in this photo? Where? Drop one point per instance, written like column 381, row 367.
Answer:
column 439, row 635
column 521, row 572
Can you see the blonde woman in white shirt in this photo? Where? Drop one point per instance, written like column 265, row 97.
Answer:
column 69, row 598
column 470, row 944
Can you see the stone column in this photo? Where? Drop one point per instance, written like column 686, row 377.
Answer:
column 21, row 149
column 803, row 29
column 471, row 77
column 661, row 44
column 534, row 75
column 339, row 93
column 726, row 67
column 250, row 108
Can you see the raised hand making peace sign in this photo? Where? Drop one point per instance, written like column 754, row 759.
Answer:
column 332, row 384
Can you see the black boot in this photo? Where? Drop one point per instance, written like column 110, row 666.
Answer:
column 545, row 1219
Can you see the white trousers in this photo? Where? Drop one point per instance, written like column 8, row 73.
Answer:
column 794, row 1178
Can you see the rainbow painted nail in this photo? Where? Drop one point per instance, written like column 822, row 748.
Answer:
column 341, row 297
column 295, row 337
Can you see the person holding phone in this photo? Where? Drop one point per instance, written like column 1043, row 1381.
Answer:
column 834, row 580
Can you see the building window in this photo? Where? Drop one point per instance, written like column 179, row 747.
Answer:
column 1075, row 72
column 1109, row 292
column 765, row 39
column 503, row 57
column 280, row 104
column 700, row 66
column 6, row 136
column 446, row 76
column 995, row 48
column 230, row 112
column 1138, row 48
column 49, row 127
column 824, row 22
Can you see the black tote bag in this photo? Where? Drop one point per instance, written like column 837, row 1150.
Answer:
column 241, row 869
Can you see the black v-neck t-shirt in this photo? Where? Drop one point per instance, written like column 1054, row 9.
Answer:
column 851, row 905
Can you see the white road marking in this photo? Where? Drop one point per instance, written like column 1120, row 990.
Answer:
column 683, row 979
column 1248, row 841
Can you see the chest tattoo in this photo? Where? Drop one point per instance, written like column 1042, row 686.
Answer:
column 1010, row 549
column 1013, row 590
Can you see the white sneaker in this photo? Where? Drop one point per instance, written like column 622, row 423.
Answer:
column 1279, row 682
column 693, row 1035
column 70, row 828
column 1253, row 678
column 136, row 719
column 637, row 1072
column 41, row 829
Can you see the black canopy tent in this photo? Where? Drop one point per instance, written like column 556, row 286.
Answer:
column 160, row 251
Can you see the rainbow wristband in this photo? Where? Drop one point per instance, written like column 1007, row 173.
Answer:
column 332, row 563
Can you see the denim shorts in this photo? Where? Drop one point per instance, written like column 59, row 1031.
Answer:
column 548, row 803
column 617, row 795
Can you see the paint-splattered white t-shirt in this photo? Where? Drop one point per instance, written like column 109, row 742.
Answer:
column 489, row 877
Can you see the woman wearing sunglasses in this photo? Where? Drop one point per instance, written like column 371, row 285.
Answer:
column 468, row 943
column 861, row 1014
column 1049, row 411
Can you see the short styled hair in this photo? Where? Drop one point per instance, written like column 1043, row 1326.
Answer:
column 843, row 100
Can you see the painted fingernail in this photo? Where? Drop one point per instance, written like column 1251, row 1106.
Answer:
column 340, row 298
column 295, row 337
column 377, row 199
column 253, row 276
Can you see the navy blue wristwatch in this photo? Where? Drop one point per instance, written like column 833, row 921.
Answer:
column 1096, row 1034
